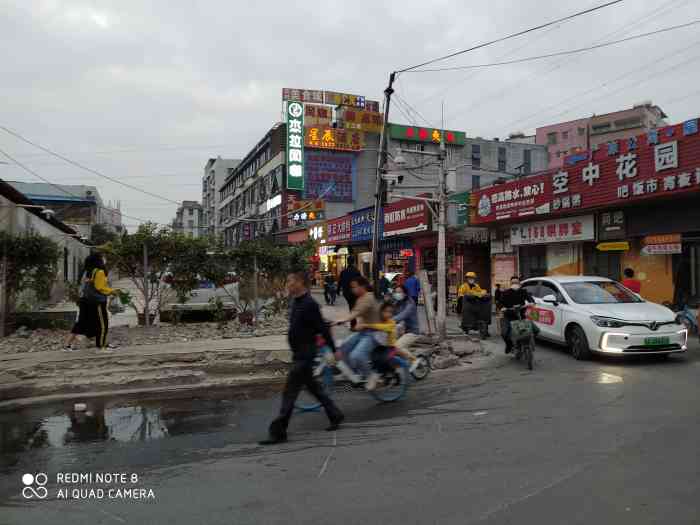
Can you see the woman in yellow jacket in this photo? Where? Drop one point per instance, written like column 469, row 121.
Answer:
column 93, row 320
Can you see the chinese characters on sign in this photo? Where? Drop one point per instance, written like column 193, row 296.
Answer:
column 333, row 138
column 559, row 230
column 343, row 99
column 315, row 115
column 362, row 225
column 302, row 95
column 415, row 134
column 295, row 146
column 658, row 163
column 363, row 120
column 405, row 216
column 339, row 230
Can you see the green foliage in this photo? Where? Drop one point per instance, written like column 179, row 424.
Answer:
column 185, row 269
column 32, row 263
column 216, row 306
column 102, row 235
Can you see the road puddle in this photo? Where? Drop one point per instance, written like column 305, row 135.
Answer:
column 603, row 378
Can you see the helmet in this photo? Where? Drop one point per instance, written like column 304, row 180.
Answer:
column 470, row 274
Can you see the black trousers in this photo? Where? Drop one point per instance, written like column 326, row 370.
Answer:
column 301, row 375
column 329, row 294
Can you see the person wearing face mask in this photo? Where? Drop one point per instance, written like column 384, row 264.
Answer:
column 406, row 315
column 511, row 299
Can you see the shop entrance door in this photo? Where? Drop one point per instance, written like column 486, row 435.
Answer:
column 533, row 261
column 601, row 264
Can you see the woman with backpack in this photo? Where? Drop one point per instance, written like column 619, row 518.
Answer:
column 93, row 320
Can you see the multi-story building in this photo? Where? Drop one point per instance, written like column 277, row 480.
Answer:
column 215, row 173
column 471, row 162
column 189, row 219
column 577, row 136
column 250, row 198
column 79, row 206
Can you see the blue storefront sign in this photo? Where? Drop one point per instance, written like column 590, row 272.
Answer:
column 362, row 226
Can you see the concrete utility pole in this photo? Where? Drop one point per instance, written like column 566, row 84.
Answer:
column 146, row 316
column 380, row 190
column 442, row 245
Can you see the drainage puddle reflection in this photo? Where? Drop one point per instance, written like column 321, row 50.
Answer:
column 604, row 378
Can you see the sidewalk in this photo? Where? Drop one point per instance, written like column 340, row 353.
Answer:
column 44, row 376
column 205, row 363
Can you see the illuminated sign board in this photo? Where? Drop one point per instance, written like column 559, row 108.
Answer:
column 416, row 134
column 295, row 145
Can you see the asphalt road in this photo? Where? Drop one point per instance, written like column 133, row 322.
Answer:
column 572, row 442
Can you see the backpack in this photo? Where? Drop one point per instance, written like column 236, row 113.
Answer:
column 90, row 294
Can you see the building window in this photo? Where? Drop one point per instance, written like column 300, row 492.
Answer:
column 527, row 161
column 476, row 181
column 581, row 132
column 552, row 137
column 476, row 156
column 191, row 212
column 564, row 135
column 190, row 224
column 501, row 159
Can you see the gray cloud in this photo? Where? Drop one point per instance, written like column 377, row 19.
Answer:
column 89, row 78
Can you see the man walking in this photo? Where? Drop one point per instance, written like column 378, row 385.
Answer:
column 346, row 277
column 305, row 324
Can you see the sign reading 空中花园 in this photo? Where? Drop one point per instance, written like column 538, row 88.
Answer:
column 295, row 145
column 660, row 163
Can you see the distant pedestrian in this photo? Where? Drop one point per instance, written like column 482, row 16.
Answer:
column 630, row 282
column 305, row 324
column 384, row 285
column 329, row 289
column 346, row 277
column 412, row 285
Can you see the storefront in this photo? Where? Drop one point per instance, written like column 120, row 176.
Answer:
column 634, row 191
column 361, row 232
column 338, row 236
column 405, row 221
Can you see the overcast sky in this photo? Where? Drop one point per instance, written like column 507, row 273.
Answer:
column 147, row 91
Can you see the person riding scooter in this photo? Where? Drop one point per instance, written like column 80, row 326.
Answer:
column 475, row 305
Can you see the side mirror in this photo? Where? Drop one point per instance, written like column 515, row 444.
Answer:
column 550, row 299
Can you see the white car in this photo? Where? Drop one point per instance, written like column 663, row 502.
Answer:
column 596, row 314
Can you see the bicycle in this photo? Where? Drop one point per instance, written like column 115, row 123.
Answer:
column 522, row 334
column 392, row 385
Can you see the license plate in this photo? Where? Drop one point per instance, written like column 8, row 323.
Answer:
column 656, row 341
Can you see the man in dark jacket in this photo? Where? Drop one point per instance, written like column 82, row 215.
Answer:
column 512, row 299
column 346, row 277
column 305, row 324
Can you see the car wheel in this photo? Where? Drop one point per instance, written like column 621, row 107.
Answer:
column 579, row 344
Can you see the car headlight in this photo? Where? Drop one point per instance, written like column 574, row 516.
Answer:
column 607, row 322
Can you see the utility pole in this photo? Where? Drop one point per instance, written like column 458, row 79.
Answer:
column 3, row 286
column 146, row 315
column 380, row 190
column 442, row 245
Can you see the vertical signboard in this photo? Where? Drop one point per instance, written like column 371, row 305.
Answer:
column 295, row 146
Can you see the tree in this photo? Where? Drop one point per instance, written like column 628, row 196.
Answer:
column 127, row 252
column 32, row 264
column 102, row 235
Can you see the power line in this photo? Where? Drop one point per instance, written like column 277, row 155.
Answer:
column 623, row 29
column 508, row 37
column 62, row 189
column 644, row 67
column 137, row 150
column 90, row 170
column 561, row 53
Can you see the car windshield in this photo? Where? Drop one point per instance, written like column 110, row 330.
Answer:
column 600, row 292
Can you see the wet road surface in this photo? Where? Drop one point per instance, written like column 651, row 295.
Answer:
column 573, row 442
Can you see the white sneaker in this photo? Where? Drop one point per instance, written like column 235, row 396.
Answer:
column 347, row 372
column 69, row 348
column 414, row 365
column 372, row 381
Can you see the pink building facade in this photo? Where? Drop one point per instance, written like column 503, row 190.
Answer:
column 563, row 139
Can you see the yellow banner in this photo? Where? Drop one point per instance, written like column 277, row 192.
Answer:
column 622, row 246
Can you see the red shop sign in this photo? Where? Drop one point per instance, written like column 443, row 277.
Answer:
column 339, row 230
column 660, row 163
column 406, row 216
